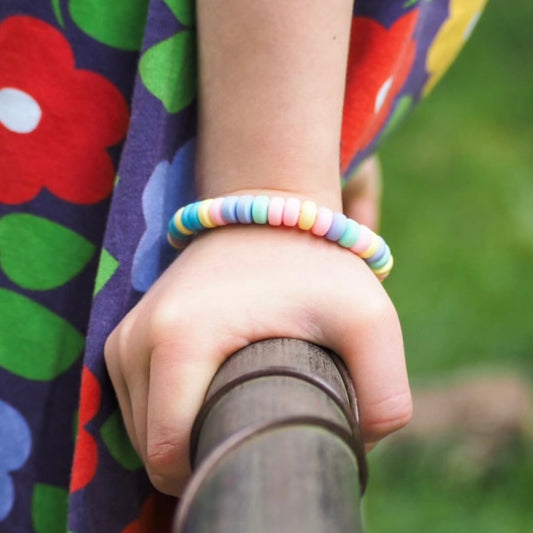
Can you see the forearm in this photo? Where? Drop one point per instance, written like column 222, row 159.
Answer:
column 271, row 92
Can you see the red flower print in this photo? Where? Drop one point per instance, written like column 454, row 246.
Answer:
column 379, row 63
column 56, row 121
column 157, row 514
column 86, row 452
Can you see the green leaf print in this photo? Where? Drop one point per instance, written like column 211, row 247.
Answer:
column 116, row 439
column 56, row 6
column 183, row 10
column 399, row 113
column 107, row 267
column 168, row 70
column 35, row 343
column 117, row 23
column 410, row 3
column 38, row 254
column 49, row 506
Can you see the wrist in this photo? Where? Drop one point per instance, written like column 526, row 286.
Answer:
column 295, row 168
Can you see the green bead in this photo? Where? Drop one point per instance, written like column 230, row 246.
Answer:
column 351, row 234
column 260, row 209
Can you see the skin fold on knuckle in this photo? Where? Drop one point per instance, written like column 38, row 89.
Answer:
column 164, row 456
column 166, row 466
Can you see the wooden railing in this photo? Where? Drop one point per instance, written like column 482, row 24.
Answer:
column 276, row 446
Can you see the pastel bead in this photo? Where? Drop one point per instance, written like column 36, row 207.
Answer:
column 338, row 226
column 307, row 215
column 190, row 217
column 372, row 249
column 203, row 214
column 382, row 261
column 215, row 212
column 291, row 212
column 177, row 243
column 179, row 224
column 350, row 235
column 260, row 209
column 379, row 253
column 243, row 209
column 173, row 231
column 324, row 218
column 364, row 240
column 384, row 269
column 275, row 211
column 228, row 209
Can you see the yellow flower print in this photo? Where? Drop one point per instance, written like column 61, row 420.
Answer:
column 463, row 16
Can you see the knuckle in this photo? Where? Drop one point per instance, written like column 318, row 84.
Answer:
column 380, row 308
column 118, row 339
column 164, row 456
column 121, row 345
column 166, row 466
column 109, row 353
column 165, row 322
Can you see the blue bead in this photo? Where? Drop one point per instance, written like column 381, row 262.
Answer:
column 190, row 217
column 244, row 209
column 379, row 252
column 228, row 209
column 174, row 232
column 337, row 228
column 382, row 261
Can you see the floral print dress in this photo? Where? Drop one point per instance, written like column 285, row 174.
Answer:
column 97, row 146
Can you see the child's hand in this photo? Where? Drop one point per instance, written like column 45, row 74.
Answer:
column 231, row 287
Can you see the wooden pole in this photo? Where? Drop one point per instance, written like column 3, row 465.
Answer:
column 276, row 446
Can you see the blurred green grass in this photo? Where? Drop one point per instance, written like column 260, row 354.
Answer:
column 413, row 490
column 458, row 213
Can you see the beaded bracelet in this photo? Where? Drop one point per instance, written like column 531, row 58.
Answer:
column 288, row 212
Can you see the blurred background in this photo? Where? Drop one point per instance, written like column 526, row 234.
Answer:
column 458, row 213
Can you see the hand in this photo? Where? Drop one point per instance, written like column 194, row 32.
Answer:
column 234, row 286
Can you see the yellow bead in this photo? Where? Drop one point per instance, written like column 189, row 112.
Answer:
column 372, row 249
column 203, row 214
column 307, row 215
column 179, row 224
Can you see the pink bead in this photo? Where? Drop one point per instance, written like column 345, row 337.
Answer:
column 291, row 213
column 215, row 212
column 364, row 240
column 275, row 211
column 324, row 218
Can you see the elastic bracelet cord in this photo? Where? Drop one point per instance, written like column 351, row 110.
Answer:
column 287, row 212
